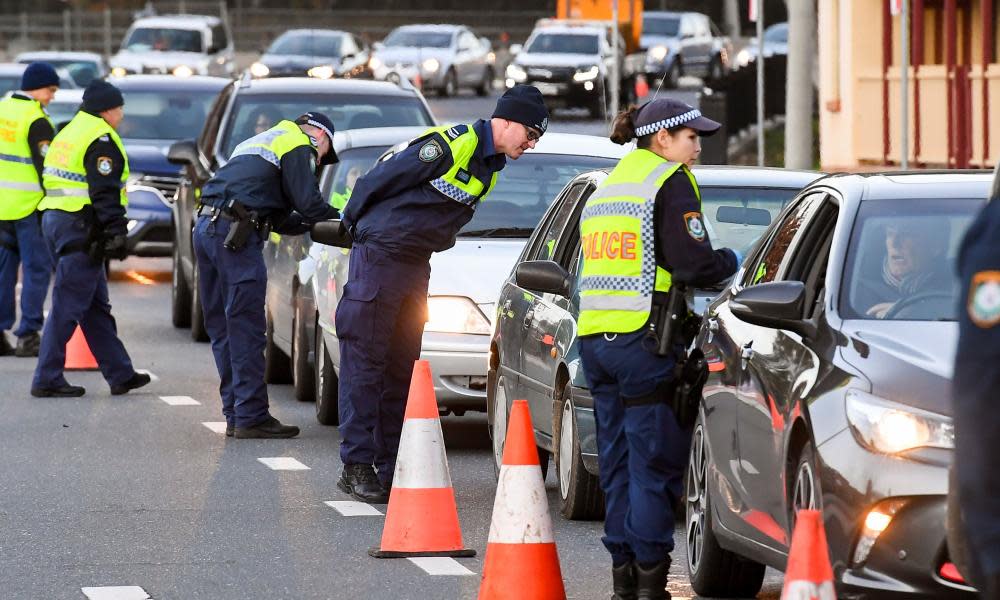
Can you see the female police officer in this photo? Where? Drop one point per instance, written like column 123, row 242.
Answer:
column 641, row 230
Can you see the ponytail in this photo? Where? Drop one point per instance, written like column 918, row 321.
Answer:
column 623, row 128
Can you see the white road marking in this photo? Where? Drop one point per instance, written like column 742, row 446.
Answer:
column 180, row 400
column 121, row 592
column 350, row 508
column 283, row 463
column 216, row 426
column 440, row 565
column 152, row 375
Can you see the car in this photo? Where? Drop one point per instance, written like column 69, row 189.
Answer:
column 534, row 353
column 464, row 279
column 10, row 78
column 320, row 53
column 683, row 43
column 441, row 57
column 250, row 106
column 775, row 44
column 83, row 67
column 181, row 45
column 64, row 106
column 830, row 360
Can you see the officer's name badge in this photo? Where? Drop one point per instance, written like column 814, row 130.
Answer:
column 430, row 152
column 984, row 299
column 104, row 165
column 695, row 228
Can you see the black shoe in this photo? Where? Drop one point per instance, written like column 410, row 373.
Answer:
column 623, row 582
column 28, row 345
column 64, row 391
column 5, row 348
column 361, row 482
column 269, row 428
column 230, row 428
column 652, row 581
column 136, row 381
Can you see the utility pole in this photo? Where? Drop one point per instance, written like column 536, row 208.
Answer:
column 802, row 29
column 760, row 81
column 904, row 82
column 616, row 75
column 731, row 18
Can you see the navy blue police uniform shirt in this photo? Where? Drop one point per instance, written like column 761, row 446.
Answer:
column 40, row 134
column 683, row 246
column 976, row 375
column 103, row 163
column 394, row 206
column 288, row 196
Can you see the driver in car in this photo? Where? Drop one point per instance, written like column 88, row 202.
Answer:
column 914, row 263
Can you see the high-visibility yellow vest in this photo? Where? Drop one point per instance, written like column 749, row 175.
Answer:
column 20, row 191
column 618, row 241
column 459, row 183
column 273, row 144
column 64, row 176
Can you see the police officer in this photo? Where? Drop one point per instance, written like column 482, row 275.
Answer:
column 269, row 182
column 403, row 210
column 976, row 382
column 25, row 135
column 83, row 221
column 641, row 230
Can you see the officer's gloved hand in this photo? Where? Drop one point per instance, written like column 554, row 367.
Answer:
column 114, row 247
column 291, row 225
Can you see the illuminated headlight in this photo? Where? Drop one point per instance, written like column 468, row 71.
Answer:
column 658, row 52
column 131, row 224
column 321, row 72
column 375, row 63
column 183, row 71
column 891, row 428
column 118, row 72
column 431, row 65
column 876, row 521
column 259, row 70
column 516, row 73
column 455, row 314
column 586, row 74
column 743, row 57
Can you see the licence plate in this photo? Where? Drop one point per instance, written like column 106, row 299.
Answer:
column 548, row 89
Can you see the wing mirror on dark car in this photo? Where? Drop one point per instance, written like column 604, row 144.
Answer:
column 185, row 152
column 777, row 304
column 740, row 215
column 542, row 276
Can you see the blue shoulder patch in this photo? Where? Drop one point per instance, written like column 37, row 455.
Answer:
column 456, row 131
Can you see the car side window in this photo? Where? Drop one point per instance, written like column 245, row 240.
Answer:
column 769, row 262
column 211, row 129
column 546, row 250
column 219, row 40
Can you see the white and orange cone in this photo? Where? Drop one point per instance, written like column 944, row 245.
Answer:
column 521, row 557
column 808, row 575
column 78, row 354
column 422, row 518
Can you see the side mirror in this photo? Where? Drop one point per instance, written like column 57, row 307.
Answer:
column 331, row 233
column 185, row 152
column 542, row 276
column 777, row 305
column 516, row 49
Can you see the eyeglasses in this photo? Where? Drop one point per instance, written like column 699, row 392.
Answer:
column 533, row 135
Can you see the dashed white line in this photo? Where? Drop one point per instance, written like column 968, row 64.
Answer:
column 283, row 463
column 180, row 400
column 216, row 426
column 438, row 565
column 349, row 508
column 121, row 592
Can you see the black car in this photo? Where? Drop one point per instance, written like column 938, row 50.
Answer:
column 248, row 107
column 830, row 359
column 534, row 353
column 319, row 53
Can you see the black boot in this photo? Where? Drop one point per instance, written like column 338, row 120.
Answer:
column 623, row 582
column 269, row 428
column 136, row 381
column 5, row 348
column 361, row 482
column 652, row 581
column 63, row 391
column 28, row 345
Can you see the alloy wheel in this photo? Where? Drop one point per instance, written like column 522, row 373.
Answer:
column 499, row 421
column 566, row 435
column 696, row 499
column 804, row 494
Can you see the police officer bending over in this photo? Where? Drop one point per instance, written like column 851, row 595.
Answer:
column 651, row 202
column 268, row 183
column 83, row 221
column 25, row 135
column 402, row 211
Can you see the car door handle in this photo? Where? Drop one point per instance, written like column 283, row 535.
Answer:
column 746, row 353
column 713, row 325
column 528, row 316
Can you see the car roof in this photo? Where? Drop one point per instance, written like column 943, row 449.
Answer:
column 442, row 27
column 376, row 136
column 551, row 143
column 177, row 21
column 915, row 185
column 559, row 28
column 673, row 14
column 311, row 85
column 68, row 95
column 745, row 176
column 57, row 54
column 325, row 32
column 169, row 82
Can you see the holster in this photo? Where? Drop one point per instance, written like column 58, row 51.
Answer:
column 244, row 222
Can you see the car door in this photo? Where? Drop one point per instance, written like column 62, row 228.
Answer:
column 466, row 63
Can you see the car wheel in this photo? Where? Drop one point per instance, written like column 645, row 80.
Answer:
column 958, row 545
column 580, row 495
column 450, row 85
column 713, row 570
column 302, row 371
column 805, row 489
column 599, row 104
column 277, row 368
column 198, row 331
column 498, row 428
column 180, row 293
column 486, row 86
column 327, row 407
column 673, row 75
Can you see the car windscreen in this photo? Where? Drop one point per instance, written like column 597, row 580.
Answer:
column 307, row 44
column 736, row 217
column 81, row 71
column 165, row 114
column 523, row 192
column 9, row 83
column 564, row 43
column 61, row 112
column 162, row 39
column 253, row 114
column 418, row 39
column 665, row 26
column 901, row 260
column 338, row 181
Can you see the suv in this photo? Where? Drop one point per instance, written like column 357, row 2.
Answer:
column 442, row 57
column 181, row 45
column 247, row 107
column 683, row 43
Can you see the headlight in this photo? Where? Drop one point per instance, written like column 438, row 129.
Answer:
column 658, row 52
column 743, row 57
column 431, row 64
column 131, row 224
column 586, row 74
column 118, row 72
column 516, row 73
column 183, row 71
column 455, row 314
column 375, row 63
column 890, row 427
column 321, row 72
column 259, row 70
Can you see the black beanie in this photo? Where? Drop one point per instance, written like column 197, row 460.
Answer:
column 523, row 104
column 101, row 96
column 38, row 75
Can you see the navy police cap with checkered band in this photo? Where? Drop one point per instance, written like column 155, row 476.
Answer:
column 666, row 113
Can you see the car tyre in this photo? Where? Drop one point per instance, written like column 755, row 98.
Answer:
column 450, row 85
column 486, row 86
column 302, row 371
column 277, row 367
column 327, row 405
column 713, row 570
column 598, row 106
column 498, row 425
column 715, row 71
column 580, row 495
column 958, row 545
column 180, row 293
column 198, row 331
column 805, row 493
column 672, row 77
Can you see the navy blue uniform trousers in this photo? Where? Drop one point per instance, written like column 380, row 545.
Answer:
column 641, row 450
column 21, row 243
column 380, row 322
column 79, row 296
column 233, row 285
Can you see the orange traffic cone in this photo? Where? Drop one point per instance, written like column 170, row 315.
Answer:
column 422, row 519
column 78, row 354
column 808, row 575
column 641, row 86
column 521, row 557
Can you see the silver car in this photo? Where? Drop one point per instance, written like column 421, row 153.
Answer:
column 439, row 57
column 181, row 45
